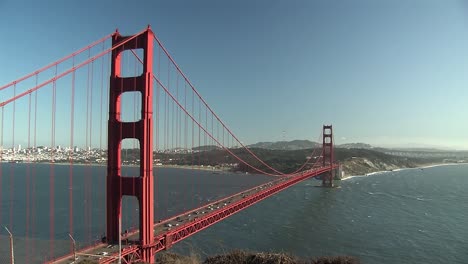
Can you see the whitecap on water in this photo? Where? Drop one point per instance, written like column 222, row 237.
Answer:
column 423, row 199
column 352, row 177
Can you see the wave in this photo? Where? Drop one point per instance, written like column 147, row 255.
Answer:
column 377, row 193
column 366, row 175
column 383, row 194
column 431, row 166
column 418, row 198
column 440, row 165
column 423, row 199
column 376, row 172
column 351, row 177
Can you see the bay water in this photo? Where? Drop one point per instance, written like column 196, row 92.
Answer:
column 407, row 216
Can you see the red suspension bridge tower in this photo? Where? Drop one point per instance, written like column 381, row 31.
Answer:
column 143, row 186
column 327, row 155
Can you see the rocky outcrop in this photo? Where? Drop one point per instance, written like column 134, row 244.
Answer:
column 363, row 165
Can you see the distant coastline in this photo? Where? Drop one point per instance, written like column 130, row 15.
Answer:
column 186, row 167
column 355, row 172
column 426, row 166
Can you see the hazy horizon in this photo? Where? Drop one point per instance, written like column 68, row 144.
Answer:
column 390, row 146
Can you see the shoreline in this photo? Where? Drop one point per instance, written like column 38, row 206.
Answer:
column 227, row 169
column 427, row 166
column 185, row 167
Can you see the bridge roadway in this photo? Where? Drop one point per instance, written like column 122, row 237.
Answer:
column 173, row 230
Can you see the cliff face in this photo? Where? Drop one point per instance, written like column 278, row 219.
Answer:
column 356, row 161
column 362, row 165
column 363, row 161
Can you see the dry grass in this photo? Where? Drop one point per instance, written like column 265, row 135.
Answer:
column 171, row 258
column 245, row 257
column 336, row 260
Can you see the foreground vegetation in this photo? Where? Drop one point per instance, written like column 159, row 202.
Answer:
column 245, row 257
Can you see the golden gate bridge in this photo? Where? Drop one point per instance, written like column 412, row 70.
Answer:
column 150, row 105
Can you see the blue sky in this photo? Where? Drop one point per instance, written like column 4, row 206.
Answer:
column 389, row 73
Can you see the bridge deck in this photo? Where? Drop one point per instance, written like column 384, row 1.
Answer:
column 181, row 226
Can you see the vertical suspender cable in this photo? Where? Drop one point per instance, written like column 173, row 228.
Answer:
column 186, row 139
column 1, row 158
column 176, row 117
column 205, row 140
column 166, row 193
column 28, row 175
column 70, row 155
column 33, row 212
column 156, row 173
column 85, row 177
column 198, row 153
column 12, row 166
column 101, row 178
column 192, row 150
column 90, row 153
column 52, row 173
column 133, row 206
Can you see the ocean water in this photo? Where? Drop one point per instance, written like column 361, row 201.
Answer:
column 407, row 216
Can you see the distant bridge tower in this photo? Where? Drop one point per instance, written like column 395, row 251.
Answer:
column 143, row 186
column 327, row 155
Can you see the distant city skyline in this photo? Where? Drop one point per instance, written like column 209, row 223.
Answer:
column 386, row 73
column 390, row 146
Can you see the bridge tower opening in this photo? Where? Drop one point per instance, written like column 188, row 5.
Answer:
column 327, row 155
column 117, row 186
